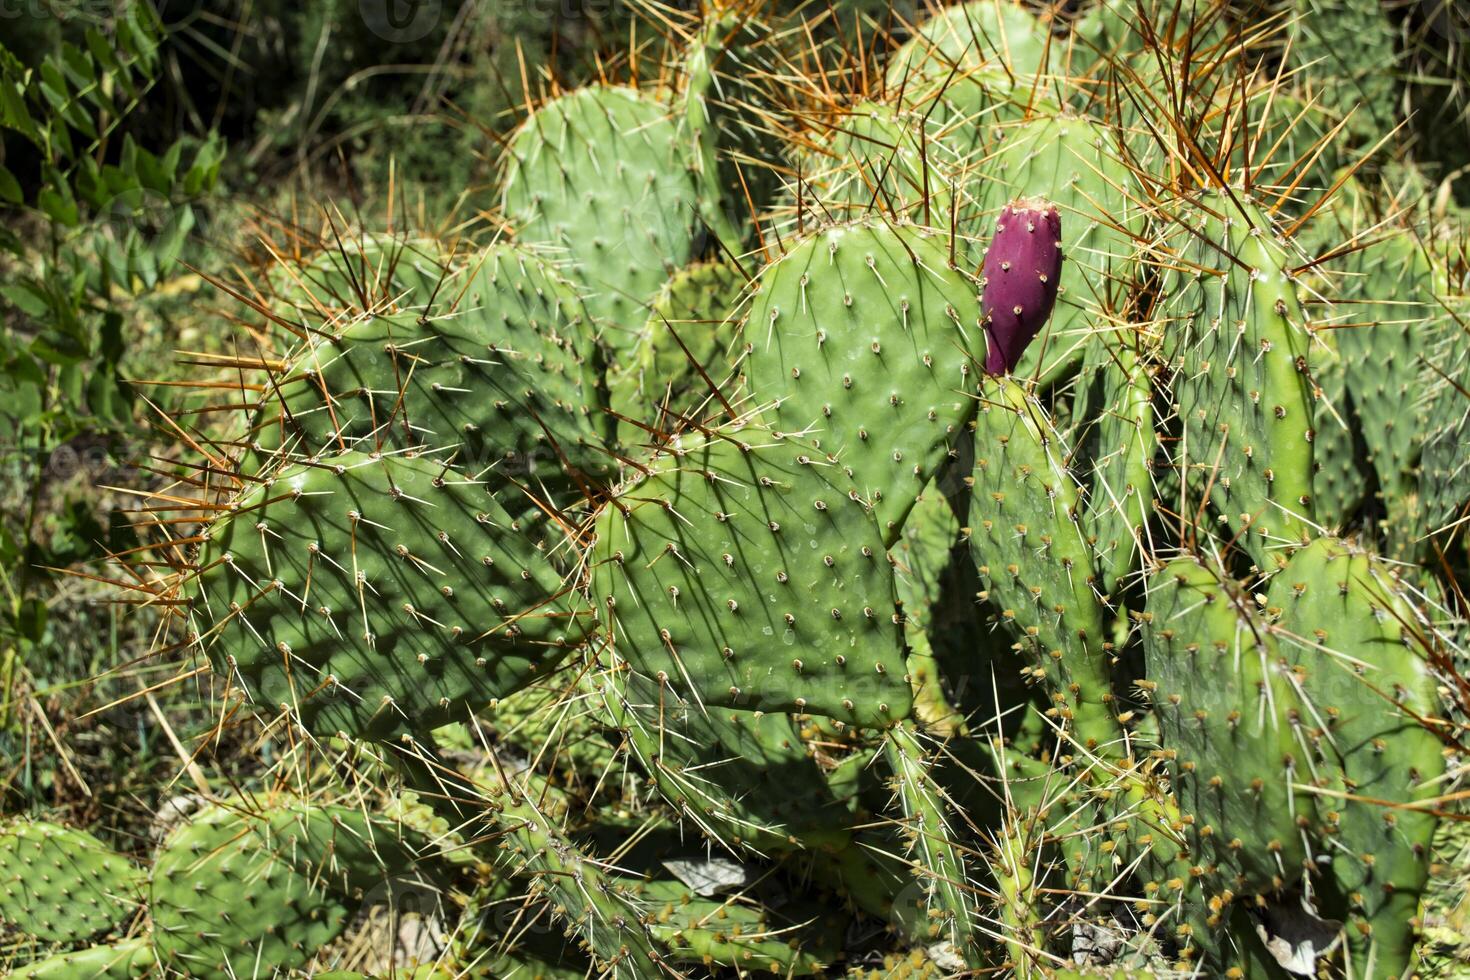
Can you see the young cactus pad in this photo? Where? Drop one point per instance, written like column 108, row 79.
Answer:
column 746, row 571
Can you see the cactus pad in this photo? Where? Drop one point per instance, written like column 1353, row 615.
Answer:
column 684, row 341
column 747, row 572
column 1239, row 344
column 499, row 372
column 740, row 934
column 1036, row 563
column 1232, row 742
column 979, row 62
column 63, row 885
column 379, row 594
column 865, row 340
column 601, row 176
column 600, row 910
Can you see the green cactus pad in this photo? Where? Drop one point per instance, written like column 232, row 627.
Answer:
column 63, row 885
column 747, row 572
column 868, row 160
column 1238, row 340
column 938, row 862
column 600, row 911
column 241, row 893
column 601, row 176
column 1346, row 620
column 1232, row 742
column 746, row 778
column 740, row 934
column 1074, row 164
column 127, row 960
column 1121, row 441
column 1035, row 560
column 1392, row 331
column 380, row 594
column 364, row 273
column 923, row 552
column 480, row 947
column 864, row 339
column 684, row 342
column 500, row 372
column 982, row 62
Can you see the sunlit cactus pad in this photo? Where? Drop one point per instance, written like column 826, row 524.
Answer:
column 377, row 593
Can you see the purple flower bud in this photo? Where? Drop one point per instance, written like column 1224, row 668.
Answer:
column 1022, row 269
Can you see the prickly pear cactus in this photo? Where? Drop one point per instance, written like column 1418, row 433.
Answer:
column 739, row 934
column 366, row 274
column 949, row 898
column 605, row 915
column 862, row 340
column 919, row 496
column 1445, row 478
column 63, row 885
column 746, row 571
column 1074, row 164
column 380, row 594
column 1121, row 446
column 600, row 176
column 1239, row 347
column 235, row 892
